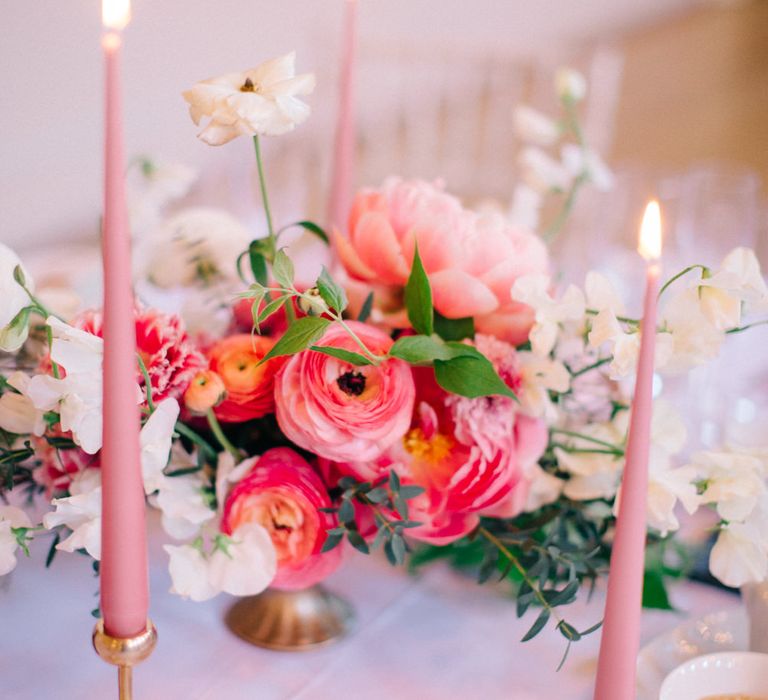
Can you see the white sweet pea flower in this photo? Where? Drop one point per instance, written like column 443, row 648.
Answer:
column 81, row 513
column 739, row 555
column 534, row 127
column 525, row 209
column 156, row 439
column 189, row 573
column 248, row 564
column 695, row 339
column 550, row 313
column 737, row 280
column 735, row 481
column 244, row 564
column 570, row 84
column 263, row 100
column 542, row 172
column 544, row 488
column 17, row 412
column 14, row 327
column 183, row 505
column 580, row 161
column 540, row 375
column 151, row 186
column 10, row 518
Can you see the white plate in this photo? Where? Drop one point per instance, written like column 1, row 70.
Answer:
column 716, row 632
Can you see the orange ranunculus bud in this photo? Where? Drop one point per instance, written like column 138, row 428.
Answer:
column 205, row 391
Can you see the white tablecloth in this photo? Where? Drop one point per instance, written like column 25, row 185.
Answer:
column 438, row 636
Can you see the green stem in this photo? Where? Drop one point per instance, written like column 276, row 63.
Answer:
column 376, row 359
column 588, row 451
column 289, row 311
column 581, row 436
column 147, row 382
column 187, row 432
column 747, row 327
column 680, row 274
column 554, row 228
column 54, row 366
column 589, row 368
column 220, row 436
column 264, row 196
column 622, row 319
column 520, row 568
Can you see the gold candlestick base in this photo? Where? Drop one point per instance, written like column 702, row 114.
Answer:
column 124, row 653
column 291, row 620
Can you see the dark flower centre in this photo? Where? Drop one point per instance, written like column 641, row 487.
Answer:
column 248, row 86
column 352, row 383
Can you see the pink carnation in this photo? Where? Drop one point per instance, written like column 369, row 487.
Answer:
column 162, row 342
column 342, row 411
column 472, row 261
column 284, row 494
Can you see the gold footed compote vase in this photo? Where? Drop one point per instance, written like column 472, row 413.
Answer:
column 291, row 620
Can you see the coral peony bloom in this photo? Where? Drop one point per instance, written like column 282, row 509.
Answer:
column 341, row 411
column 472, row 261
column 162, row 343
column 205, row 391
column 248, row 384
column 59, row 466
column 283, row 494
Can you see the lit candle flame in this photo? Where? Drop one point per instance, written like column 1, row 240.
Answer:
column 115, row 14
column 650, row 232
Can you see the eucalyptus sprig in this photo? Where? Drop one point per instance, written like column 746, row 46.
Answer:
column 387, row 498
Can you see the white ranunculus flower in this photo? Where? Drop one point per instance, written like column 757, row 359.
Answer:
column 534, row 127
column 533, row 290
column 248, row 566
column 194, row 247
column 17, row 412
column 10, row 517
column 739, row 555
column 570, row 84
column 263, row 100
column 542, row 172
column 13, row 300
column 189, row 573
column 81, row 513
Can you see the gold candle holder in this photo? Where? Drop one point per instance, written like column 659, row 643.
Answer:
column 291, row 620
column 124, row 653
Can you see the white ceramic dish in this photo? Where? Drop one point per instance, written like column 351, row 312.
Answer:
column 725, row 673
column 723, row 631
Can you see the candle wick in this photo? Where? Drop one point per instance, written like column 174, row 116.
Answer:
column 248, row 86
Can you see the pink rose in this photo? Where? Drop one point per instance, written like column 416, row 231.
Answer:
column 284, row 494
column 341, row 411
column 472, row 261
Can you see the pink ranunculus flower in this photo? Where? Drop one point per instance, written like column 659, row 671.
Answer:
column 283, row 493
column 169, row 355
column 341, row 411
column 472, row 261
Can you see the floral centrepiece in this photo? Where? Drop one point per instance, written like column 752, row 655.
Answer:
column 444, row 398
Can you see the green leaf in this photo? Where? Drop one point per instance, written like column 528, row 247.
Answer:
column 537, row 626
column 394, row 481
column 52, row 549
column 411, row 491
column 398, row 549
column 655, row 594
column 282, row 269
column 470, row 376
column 271, row 308
column 564, row 596
column 332, row 293
column 354, row 358
column 331, row 542
column 418, row 297
column 420, row 349
column 377, row 495
column 488, row 567
column 357, row 541
column 365, row 310
column 454, row 328
column 568, row 631
column 300, row 334
column 346, row 512
column 312, row 228
column 258, row 263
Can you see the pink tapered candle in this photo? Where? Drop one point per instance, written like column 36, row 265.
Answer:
column 124, row 583
column 342, row 178
column 616, row 670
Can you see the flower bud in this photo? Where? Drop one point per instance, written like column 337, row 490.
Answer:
column 311, row 303
column 570, row 85
column 204, row 392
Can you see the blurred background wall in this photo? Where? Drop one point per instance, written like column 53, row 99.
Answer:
column 673, row 83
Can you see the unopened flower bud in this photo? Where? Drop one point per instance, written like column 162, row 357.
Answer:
column 570, row 85
column 311, row 303
column 204, row 392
